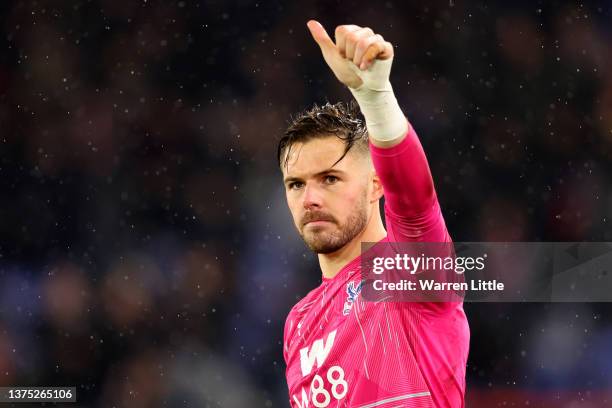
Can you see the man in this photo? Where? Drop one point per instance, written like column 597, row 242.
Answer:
column 340, row 350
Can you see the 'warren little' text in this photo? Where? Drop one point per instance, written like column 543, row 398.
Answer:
column 432, row 285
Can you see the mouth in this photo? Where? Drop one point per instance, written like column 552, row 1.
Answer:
column 316, row 223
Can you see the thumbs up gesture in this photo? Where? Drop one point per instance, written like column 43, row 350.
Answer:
column 358, row 57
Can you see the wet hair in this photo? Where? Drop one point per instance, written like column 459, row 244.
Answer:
column 342, row 120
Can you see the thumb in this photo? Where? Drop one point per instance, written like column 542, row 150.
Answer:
column 320, row 35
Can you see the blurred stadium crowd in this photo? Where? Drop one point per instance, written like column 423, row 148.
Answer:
column 147, row 256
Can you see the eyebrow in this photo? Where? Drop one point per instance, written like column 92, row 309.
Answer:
column 321, row 173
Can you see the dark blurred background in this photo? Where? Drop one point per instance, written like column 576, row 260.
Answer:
column 146, row 252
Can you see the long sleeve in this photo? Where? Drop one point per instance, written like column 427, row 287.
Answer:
column 412, row 211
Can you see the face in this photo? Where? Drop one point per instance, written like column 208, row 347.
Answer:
column 330, row 205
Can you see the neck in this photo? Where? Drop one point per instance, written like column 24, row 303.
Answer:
column 333, row 262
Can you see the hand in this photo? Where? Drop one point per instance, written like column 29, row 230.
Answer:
column 356, row 50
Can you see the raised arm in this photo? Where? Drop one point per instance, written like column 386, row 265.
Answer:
column 361, row 59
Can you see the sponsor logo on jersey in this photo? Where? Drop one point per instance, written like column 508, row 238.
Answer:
column 317, row 353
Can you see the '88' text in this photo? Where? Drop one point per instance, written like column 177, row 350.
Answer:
column 319, row 394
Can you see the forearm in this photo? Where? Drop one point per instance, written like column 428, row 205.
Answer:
column 385, row 120
column 405, row 175
column 397, row 153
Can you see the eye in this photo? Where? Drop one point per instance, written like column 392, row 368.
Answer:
column 331, row 179
column 295, row 185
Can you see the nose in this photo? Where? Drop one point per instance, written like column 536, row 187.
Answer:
column 312, row 197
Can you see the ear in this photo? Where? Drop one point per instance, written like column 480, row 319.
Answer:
column 377, row 188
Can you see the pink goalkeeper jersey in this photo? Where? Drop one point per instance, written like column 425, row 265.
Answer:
column 342, row 351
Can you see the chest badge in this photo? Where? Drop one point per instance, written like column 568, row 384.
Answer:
column 352, row 291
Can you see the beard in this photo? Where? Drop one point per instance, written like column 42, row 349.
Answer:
column 323, row 241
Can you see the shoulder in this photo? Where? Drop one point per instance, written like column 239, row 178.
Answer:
column 303, row 305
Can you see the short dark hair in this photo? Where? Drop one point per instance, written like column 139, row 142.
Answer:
column 342, row 120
